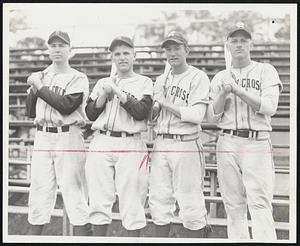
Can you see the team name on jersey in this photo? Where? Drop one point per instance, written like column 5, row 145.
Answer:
column 249, row 83
column 178, row 92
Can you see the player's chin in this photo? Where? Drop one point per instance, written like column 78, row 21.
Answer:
column 124, row 69
column 57, row 59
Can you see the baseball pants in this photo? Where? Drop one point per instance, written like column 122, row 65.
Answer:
column 58, row 159
column 246, row 177
column 117, row 165
column 177, row 173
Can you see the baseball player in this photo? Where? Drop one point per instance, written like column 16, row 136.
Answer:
column 56, row 100
column 117, row 162
column 177, row 162
column 244, row 97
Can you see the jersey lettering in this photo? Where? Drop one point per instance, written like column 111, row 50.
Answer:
column 250, row 83
column 179, row 93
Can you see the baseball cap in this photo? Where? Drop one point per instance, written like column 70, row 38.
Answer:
column 239, row 26
column 177, row 37
column 121, row 40
column 61, row 35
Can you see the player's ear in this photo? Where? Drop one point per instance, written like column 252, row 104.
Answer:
column 71, row 52
column 134, row 55
column 187, row 50
column 251, row 44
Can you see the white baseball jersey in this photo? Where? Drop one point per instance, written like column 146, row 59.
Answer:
column 123, row 169
column 116, row 118
column 63, row 84
column 245, row 165
column 256, row 78
column 185, row 89
column 53, row 161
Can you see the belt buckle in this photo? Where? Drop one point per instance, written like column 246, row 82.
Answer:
column 123, row 134
column 107, row 133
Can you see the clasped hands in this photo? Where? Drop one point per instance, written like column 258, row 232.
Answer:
column 108, row 89
column 35, row 80
column 228, row 84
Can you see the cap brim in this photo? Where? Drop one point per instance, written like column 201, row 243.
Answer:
column 116, row 42
column 61, row 38
column 241, row 29
column 171, row 39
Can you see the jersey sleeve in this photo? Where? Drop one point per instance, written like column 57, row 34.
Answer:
column 270, row 77
column 148, row 87
column 215, row 86
column 158, row 86
column 199, row 92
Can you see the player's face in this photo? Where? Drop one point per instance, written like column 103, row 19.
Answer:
column 239, row 45
column 123, row 56
column 59, row 51
column 176, row 54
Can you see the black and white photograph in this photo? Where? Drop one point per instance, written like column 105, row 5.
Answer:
column 139, row 123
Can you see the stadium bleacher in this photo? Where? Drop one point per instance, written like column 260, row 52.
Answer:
column 95, row 63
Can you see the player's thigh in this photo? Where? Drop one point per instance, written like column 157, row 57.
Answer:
column 258, row 171
column 228, row 169
column 160, row 171
column 42, row 170
column 70, row 157
column 187, row 165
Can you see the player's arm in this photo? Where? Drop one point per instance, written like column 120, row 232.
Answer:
column 138, row 109
column 193, row 114
column 94, row 108
column 196, row 107
column 267, row 102
column 96, row 102
column 31, row 103
column 158, row 96
column 65, row 105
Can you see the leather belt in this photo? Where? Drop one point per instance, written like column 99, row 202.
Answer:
column 242, row 133
column 53, row 129
column 179, row 137
column 116, row 134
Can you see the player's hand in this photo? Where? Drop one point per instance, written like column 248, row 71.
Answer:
column 228, row 84
column 35, row 80
column 109, row 88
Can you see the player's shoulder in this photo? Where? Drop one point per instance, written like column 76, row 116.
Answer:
column 268, row 67
column 141, row 77
column 78, row 74
column 220, row 74
column 198, row 73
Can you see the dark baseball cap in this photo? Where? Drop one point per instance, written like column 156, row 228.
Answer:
column 121, row 40
column 240, row 26
column 61, row 35
column 176, row 37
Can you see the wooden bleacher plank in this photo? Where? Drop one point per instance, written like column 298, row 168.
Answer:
column 151, row 59
column 209, row 199
column 24, row 210
column 136, row 64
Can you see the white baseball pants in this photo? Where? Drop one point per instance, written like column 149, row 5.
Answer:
column 177, row 172
column 246, row 177
column 58, row 159
column 117, row 165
